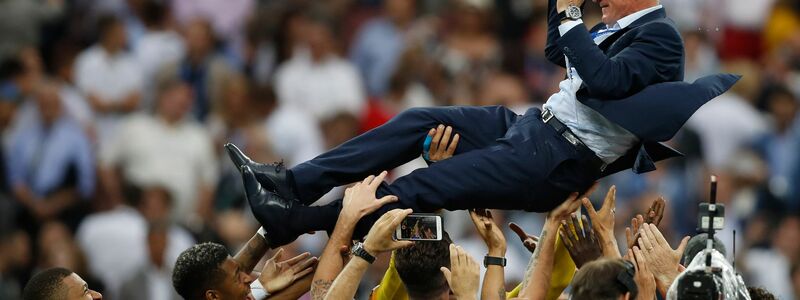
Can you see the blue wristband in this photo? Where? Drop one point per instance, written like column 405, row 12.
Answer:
column 426, row 146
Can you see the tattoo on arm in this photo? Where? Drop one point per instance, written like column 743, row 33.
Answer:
column 534, row 259
column 501, row 293
column 319, row 288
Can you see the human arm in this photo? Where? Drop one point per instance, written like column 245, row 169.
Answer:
column 537, row 276
column 653, row 215
column 378, row 240
column 494, row 278
column 603, row 222
column 655, row 54
column 463, row 279
column 278, row 275
column 359, row 200
column 252, row 252
column 293, row 291
column 662, row 259
column 644, row 278
column 552, row 51
column 529, row 241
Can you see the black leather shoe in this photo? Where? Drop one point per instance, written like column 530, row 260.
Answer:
column 272, row 176
column 270, row 209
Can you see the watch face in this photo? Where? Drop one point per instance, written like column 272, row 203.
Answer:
column 573, row 12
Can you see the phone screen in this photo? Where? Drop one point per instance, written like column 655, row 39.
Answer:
column 420, row 228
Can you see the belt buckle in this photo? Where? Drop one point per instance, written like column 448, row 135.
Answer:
column 547, row 115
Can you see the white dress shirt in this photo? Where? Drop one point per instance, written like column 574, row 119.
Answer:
column 605, row 138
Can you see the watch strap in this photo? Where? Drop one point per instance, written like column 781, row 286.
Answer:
column 358, row 250
column 493, row 260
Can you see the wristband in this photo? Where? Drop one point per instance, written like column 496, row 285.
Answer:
column 258, row 290
column 426, row 146
column 262, row 232
column 491, row 260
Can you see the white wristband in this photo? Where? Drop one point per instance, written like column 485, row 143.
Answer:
column 262, row 232
column 258, row 291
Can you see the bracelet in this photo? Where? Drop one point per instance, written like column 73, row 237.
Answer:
column 492, row 260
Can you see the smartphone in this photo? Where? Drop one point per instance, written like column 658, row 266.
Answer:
column 420, row 227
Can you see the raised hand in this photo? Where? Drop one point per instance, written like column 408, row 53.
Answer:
column 441, row 147
column 603, row 222
column 662, row 259
column 529, row 241
column 463, row 275
column 654, row 215
column 582, row 245
column 489, row 232
column 379, row 239
column 359, row 199
column 278, row 275
column 644, row 278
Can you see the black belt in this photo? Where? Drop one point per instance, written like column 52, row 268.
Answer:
column 550, row 119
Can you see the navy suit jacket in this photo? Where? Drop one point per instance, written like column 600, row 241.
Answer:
column 634, row 79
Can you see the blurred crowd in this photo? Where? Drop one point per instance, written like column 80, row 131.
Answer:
column 114, row 113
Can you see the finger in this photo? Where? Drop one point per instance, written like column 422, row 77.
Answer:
column 473, row 214
column 305, row 264
column 401, row 214
column 587, row 229
column 576, row 227
column 447, row 275
column 387, row 199
column 459, row 255
column 564, row 238
column 296, row 259
column 640, row 258
column 303, row 273
column 453, row 255
column 445, row 138
column 629, row 237
column 611, row 198
column 589, row 208
column 518, row 230
column 657, row 236
column 452, row 147
column 368, row 180
column 661, row 205
column 377, row 181
column 682, row 246
column 401, row 244
column 436, row 138
column 645, row 243
column 277, row 255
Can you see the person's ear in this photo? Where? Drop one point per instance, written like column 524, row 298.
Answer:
column 212, row 295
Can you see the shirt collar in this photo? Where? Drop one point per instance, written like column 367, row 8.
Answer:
column 629, row 19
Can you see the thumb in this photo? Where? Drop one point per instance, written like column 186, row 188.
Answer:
column 682, row 245
column 251, row 185
column 402, row 244
column 387, row 199
column 447, row 275
column 277, row 255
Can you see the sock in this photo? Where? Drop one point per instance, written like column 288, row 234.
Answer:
column 315, row 218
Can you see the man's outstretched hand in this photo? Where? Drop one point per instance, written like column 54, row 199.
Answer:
column 441, row 146
column 529, row 241
column 654, row 215
column 491, row 234
column 277, row 275
column 359, row 199
column 379, row 239
column 581, row 243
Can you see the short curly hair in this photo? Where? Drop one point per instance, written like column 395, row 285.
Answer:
column 198, row 270
column 46, row 285
column 418, row 267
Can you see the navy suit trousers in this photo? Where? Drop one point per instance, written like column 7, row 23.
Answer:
column 503, row 161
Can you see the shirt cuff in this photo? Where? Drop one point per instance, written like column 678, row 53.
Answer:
column 257, row 290
column 564, row 28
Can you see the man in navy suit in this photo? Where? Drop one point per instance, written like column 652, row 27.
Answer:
column 622, row 96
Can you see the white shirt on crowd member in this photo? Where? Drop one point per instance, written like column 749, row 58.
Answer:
column 322, row 88
column 115, row 244
column 294, row 134
column 150, row 151
column 111, row 77
column 155, row 50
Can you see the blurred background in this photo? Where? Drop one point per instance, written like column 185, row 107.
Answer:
column 114, row 113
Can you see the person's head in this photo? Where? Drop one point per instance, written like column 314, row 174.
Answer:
column 759, row 293
column 236, row 106
column 613, row 10
column 112, row 33
column 206, row 271
column 48, row 101
column 696, row 244
column 320, row 32
column 782, row 105
column 58, row 284
column 175, row 98
column 400, row 11
column 418, row 267
column 786, row 236
column 155, row 204
column 157, row 242
column 605, row 279
column 200, row 39
column 154, row 14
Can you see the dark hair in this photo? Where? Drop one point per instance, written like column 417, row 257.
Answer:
column 418, row 267
column 759, row 293
column 599, row 280
column 47, row 285
column 198, row 270
column 105, row 23
column 154, row 12
column 698, row 243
